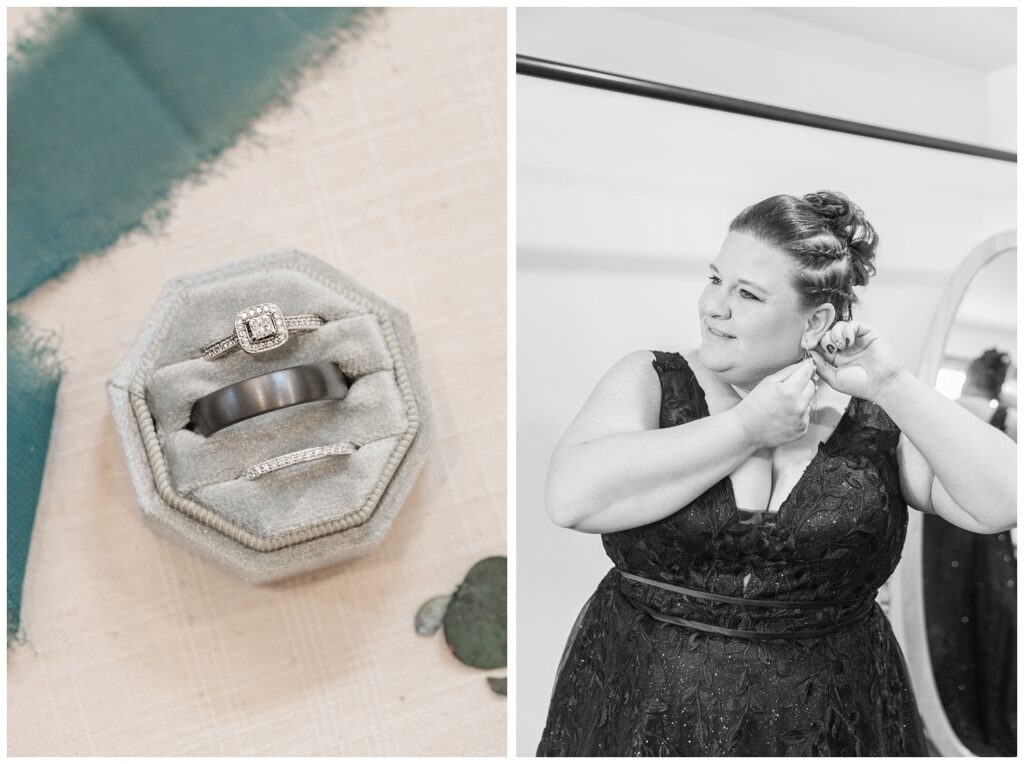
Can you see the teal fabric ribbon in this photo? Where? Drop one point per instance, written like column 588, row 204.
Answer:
column 108, row 108
column 32, row 379
column 115, row 105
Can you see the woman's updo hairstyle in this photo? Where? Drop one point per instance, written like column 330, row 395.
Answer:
column 827, row 235
column 987, row 372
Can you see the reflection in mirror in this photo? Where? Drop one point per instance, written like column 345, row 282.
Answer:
column 969, row 580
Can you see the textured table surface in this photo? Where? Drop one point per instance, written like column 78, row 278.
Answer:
column 390, row 165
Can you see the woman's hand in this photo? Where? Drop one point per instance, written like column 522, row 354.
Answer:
column 854, row 359
column 778, row 409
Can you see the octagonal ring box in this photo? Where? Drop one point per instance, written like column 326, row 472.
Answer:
column 301, row 517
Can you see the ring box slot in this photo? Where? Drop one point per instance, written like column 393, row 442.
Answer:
column 305, row 515
column 194, row 461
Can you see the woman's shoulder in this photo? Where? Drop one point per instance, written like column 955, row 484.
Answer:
column 626, row 398
column 646, row 366
column 633, row 372
column 648, row 375
column 645, row 373
column 646, row 362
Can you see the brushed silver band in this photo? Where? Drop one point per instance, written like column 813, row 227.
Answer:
column 265, row 393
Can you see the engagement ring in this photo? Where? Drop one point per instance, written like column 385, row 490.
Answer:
column 259, row 329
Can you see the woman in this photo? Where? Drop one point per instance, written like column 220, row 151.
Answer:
column 752, row 511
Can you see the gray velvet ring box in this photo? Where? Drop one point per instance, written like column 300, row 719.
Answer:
column 304, row 516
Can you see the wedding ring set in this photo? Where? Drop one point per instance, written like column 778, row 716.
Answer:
column 259, row 329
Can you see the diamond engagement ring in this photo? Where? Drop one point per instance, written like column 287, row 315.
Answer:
column 265, row 393
column 259, row 329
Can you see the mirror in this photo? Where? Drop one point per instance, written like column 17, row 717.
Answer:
column 969, row 580
column 956, row 591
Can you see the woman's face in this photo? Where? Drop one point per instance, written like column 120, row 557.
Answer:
column 751, row 322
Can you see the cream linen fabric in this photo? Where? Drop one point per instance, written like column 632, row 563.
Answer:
column 390, row 165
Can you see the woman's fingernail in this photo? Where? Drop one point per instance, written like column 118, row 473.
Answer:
column 830, row 348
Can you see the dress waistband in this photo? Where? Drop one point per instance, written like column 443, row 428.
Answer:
column 867, row 603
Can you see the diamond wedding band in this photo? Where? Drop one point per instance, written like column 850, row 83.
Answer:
column 298, row 457
column 265, row 393
column 259, row 329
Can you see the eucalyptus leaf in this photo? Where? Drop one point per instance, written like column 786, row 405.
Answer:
column 431, row 614
column 499, row 684
column 475, row 625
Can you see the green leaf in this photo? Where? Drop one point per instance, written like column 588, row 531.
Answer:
column 431, row 614
column 475, row 625
column 499, row 684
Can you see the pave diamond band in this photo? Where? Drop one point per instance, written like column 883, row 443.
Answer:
column 261, row 328
column 298, row 457
column 265, row 393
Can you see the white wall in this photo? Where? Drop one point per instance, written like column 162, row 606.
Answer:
column 1001, row 122
column 623, row 201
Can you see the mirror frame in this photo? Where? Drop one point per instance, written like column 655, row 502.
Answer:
column 908, row 616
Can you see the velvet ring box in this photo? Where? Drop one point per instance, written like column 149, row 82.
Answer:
column 301, row 517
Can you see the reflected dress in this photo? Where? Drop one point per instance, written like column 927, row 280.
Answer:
column 970, row 604
column 721, row 636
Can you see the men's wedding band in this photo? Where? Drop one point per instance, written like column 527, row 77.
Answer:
column 259, row 329
column 265, row 393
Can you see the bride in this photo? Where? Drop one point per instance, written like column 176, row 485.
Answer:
column 752, row 494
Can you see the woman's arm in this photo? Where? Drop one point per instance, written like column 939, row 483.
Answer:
column 615, row 469
column 952, row 463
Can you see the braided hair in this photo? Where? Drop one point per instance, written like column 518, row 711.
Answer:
column 827, row 235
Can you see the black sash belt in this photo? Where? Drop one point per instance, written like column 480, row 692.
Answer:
column 744, row 633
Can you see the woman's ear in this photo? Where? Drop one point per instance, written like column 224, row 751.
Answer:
column 818, row 322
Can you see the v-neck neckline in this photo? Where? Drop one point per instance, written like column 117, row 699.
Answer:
column 827, row 443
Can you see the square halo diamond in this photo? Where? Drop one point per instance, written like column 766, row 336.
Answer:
column 261, row 328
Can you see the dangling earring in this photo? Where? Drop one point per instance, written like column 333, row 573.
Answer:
column 814, row 376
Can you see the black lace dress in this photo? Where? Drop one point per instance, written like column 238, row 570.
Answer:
column 716, row 636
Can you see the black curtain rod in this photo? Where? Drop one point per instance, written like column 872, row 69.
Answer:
column 593, row 78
